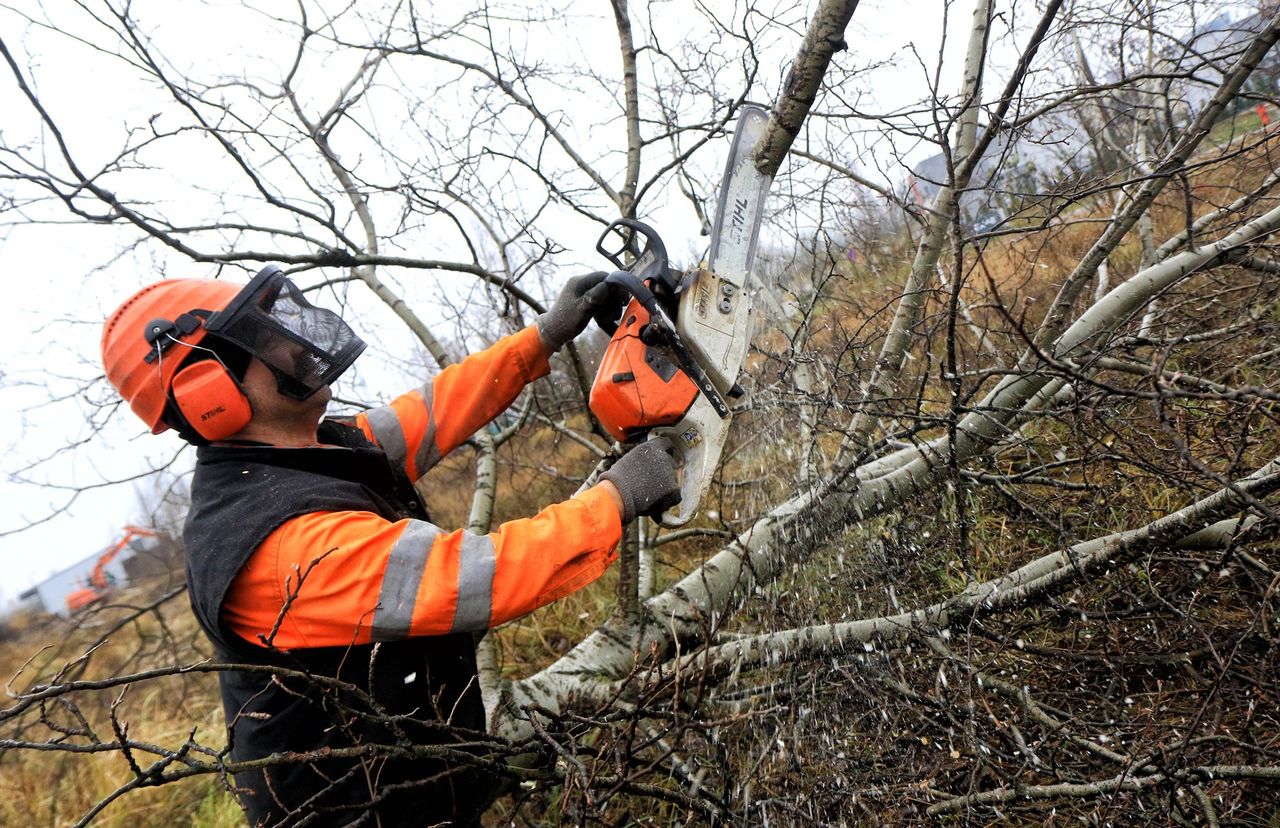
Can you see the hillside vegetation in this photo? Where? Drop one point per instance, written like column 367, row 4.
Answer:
column 1167, row 662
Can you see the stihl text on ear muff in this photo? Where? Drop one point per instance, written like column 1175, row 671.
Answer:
column 211, row 399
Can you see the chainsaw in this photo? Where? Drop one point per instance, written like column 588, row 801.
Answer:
column 671, row 368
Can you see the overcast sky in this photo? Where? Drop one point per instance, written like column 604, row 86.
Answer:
column 51, row 314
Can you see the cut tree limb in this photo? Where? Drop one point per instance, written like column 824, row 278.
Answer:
column 823, row 38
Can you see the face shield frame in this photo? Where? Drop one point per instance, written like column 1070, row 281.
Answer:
column 306, row 347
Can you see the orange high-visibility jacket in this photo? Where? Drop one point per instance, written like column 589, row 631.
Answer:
column 365, row 578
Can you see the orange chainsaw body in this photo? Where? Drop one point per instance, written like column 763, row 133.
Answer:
column 638, row 386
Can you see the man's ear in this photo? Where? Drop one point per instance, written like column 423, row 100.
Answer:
column 211, row 400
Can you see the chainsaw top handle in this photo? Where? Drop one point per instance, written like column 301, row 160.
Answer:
column 650, row 255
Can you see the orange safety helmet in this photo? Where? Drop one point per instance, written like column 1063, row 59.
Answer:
column 174, row 309
column 191, row 387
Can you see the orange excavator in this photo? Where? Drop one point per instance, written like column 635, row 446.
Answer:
column 99, row 584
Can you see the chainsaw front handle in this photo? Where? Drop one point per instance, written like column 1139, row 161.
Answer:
column 639, row 289
column 650, row 263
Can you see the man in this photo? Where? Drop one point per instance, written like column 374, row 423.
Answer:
column 311, row 562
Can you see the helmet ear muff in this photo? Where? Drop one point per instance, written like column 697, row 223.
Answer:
column 211, row 400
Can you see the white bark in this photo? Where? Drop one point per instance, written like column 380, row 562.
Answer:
column 942, row 213
column 646, row 574
column 631, row 94
column 1146, row 236
column 1179, row 240
column 694, row 606
column 1200, row 525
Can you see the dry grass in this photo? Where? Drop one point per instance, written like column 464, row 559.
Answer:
column 57, row 788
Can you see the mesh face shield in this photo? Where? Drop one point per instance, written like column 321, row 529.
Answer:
column 306, row 347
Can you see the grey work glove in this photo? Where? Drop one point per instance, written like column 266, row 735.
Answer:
column 646, row 479
column 582, row 298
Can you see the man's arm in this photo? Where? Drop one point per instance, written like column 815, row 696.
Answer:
column 354, row 577
column 419, row 428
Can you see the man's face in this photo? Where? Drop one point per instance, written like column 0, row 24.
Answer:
column 270, row 406
column 292, row 359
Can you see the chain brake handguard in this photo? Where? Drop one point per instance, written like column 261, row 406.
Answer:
column 649, row 264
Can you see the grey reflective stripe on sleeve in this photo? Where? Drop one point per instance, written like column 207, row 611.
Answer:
column 388, row 432
column 399, row 591
column 428, row 454
column 475, row 583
